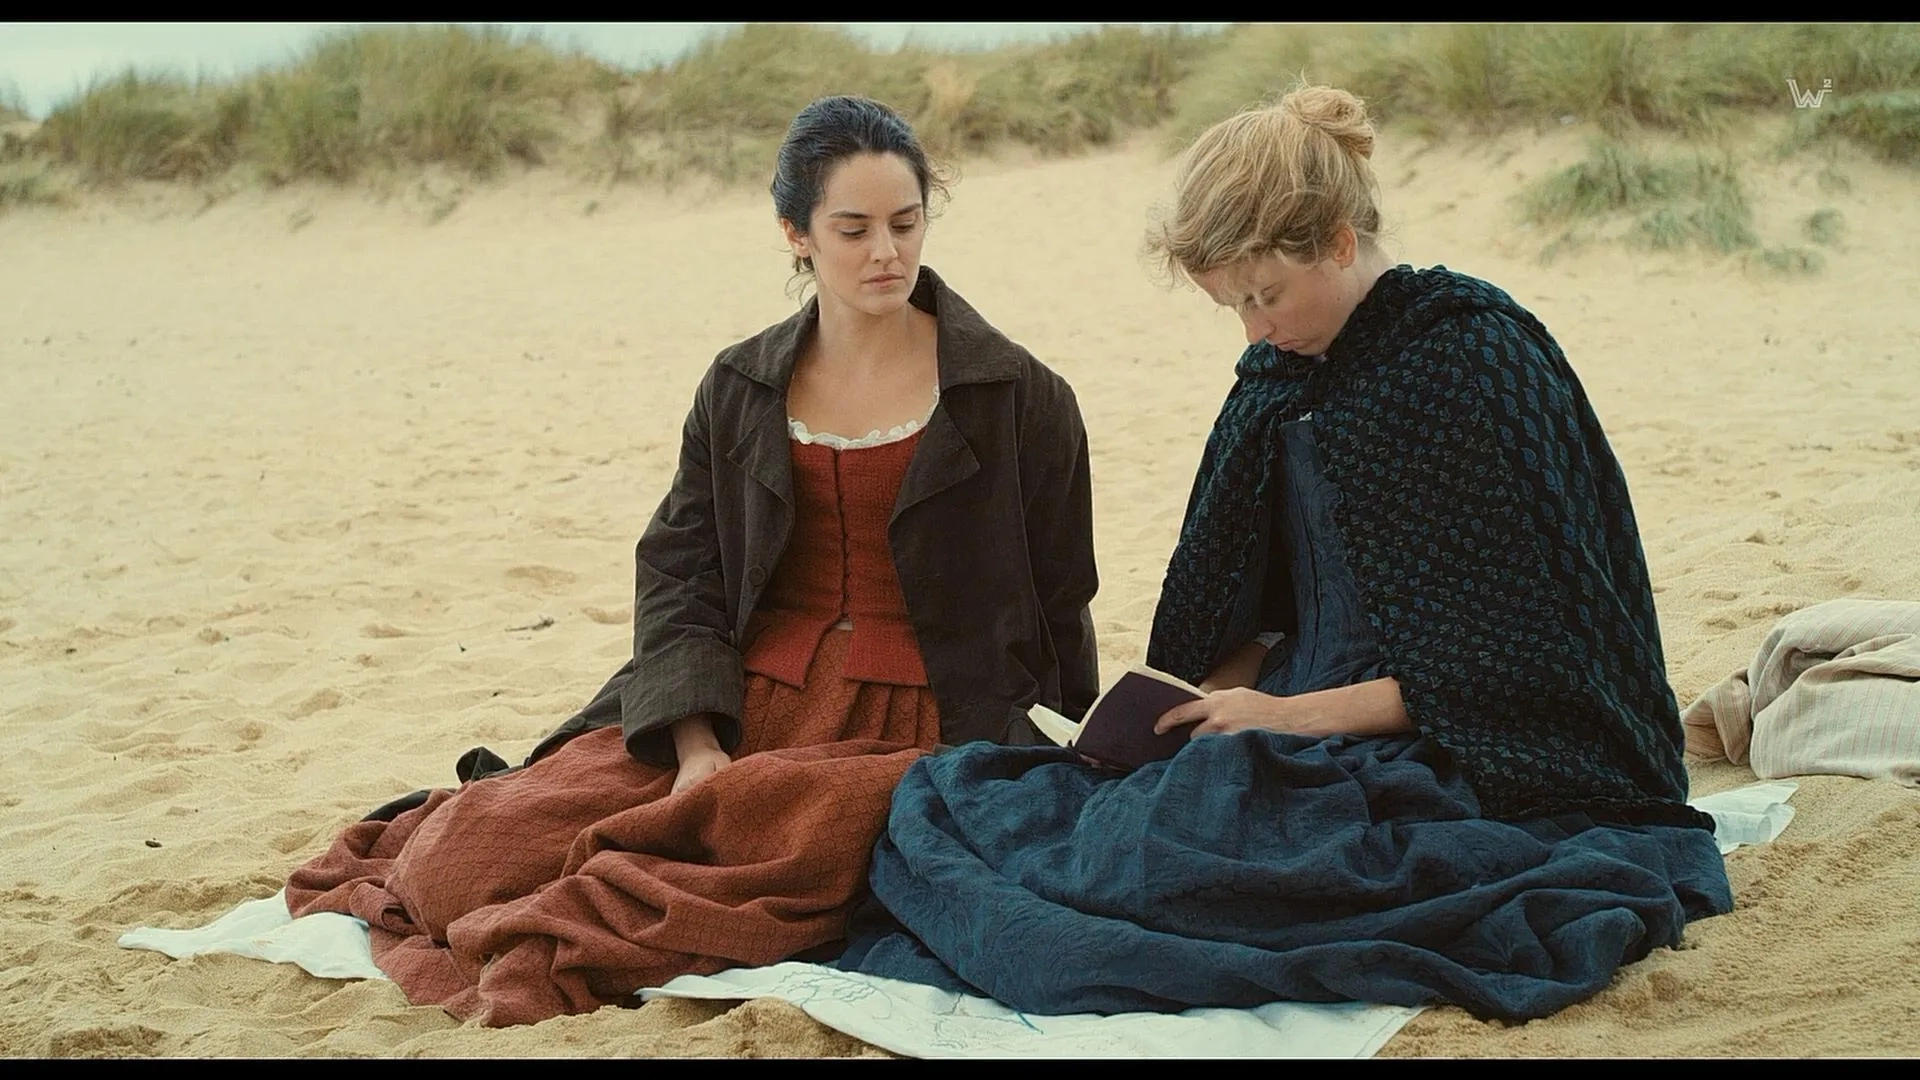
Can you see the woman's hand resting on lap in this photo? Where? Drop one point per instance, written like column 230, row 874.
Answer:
column 698, row 750
column 698, row 767
column 1224, row 711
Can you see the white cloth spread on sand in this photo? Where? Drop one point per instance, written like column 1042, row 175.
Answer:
column 920, row 1021
column 328, row 945
column 1835, row 688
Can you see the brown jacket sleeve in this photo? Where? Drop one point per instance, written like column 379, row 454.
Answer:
column 1057, row 484
column 685, row 660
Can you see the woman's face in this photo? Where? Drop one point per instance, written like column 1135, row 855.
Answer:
column 866, row 233
column 1294, row 306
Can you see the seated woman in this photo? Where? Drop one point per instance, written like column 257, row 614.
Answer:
column 879, row 540
column 1438, row 759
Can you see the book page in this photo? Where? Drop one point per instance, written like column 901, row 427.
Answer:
column 1054, row 726
column 1170, row 680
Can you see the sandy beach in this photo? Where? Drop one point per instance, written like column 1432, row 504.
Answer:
column 307, row 492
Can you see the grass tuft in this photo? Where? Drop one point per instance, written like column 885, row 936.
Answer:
column 30, row 184
column 1788, row 260
column 1887, row 124
column 1824, row 226
column 1613, row 177
column 1675, row 203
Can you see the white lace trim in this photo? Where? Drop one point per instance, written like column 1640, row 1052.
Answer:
column 875, row 437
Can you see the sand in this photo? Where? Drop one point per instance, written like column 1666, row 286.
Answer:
column 288, row 482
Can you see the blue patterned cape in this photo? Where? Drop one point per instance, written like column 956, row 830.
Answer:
column 1488, row 525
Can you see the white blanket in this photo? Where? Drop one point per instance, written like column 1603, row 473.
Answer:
column 920, row 1021
column 1835, row 688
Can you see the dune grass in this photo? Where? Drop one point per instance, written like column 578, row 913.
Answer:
column 1887, row 123
column 1626, row 80
column 1786, row 259
column 723, row 107
column 1680, row 77
column 1063, row 97
column 1824, row 226
column 13, row 107
column 480, row 100
column 147, row 127
column 24, row 180
column 30, row 184
column 382, row 95
column 1675, row 202
column 1672, row 202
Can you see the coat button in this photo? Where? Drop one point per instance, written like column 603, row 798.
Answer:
column 756, row 576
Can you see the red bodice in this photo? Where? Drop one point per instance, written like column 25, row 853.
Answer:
column 838, row 567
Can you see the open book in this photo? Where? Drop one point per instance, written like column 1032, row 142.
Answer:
column 1118, row 729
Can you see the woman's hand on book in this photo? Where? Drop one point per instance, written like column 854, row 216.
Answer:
column 1367, row 709
column 1234, row 709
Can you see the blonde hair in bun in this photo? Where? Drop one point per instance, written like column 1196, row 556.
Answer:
column 1280, row 177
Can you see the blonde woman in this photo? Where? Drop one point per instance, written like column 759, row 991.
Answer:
column 1439, row 759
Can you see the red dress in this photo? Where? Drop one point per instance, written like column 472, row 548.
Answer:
column 580, row 879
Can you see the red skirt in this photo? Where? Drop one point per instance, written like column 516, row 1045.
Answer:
column 578, row 880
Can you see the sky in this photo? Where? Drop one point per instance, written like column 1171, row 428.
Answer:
column 42, row 64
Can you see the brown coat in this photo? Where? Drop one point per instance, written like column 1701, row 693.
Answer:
column 992, row 537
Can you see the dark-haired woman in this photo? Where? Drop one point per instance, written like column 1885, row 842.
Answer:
column 878, row 540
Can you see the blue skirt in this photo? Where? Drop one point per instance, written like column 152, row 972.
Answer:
column 1257, row 867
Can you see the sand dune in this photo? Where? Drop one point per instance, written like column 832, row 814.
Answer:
column 287, row 480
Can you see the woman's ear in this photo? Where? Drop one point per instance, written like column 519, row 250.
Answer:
column 1346, row 246
column 796, row 240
